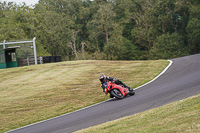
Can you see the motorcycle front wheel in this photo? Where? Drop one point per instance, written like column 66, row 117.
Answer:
column 117, row 93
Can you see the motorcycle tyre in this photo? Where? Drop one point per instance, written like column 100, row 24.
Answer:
column 115, row 95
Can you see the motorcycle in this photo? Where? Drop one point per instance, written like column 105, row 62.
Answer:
column 118, row 91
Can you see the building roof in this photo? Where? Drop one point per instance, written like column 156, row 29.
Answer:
column 13, row 47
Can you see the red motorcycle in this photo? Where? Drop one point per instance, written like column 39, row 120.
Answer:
column 118, row 91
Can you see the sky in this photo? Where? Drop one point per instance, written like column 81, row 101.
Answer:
column 28, row 2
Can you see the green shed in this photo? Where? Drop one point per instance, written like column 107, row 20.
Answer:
column 2, row 59
column 8, row 57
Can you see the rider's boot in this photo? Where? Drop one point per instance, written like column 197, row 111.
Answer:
column 126, row 86
column 111, row 96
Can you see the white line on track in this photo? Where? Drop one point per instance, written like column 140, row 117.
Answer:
column 170, row 63
column 94, row 104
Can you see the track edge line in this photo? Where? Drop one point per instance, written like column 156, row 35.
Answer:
column 170, row 63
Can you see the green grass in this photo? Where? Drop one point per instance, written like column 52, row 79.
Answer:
column 178, row 117
column 34, row 93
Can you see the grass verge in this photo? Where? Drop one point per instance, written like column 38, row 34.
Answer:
column 34, row 93
column 178, row 117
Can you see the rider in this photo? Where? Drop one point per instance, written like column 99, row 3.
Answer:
column 103, row 79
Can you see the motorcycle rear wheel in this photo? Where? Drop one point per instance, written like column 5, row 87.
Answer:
column 117, row 93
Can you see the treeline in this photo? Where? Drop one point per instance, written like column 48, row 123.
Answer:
column 106, row 29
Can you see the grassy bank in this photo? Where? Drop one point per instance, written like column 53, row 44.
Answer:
column 35, row 93
column 179, row 117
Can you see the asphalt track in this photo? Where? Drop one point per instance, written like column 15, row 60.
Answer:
column 181, row 80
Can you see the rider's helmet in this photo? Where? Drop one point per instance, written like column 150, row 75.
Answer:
column 102, row 78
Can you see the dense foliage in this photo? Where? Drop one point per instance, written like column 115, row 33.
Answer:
column 106, row 29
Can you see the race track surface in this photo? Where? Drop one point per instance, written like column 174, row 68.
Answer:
column 180, row 81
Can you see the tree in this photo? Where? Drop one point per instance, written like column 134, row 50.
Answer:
column 15, row 21
column 124, row 10
column 59, row 26
column 193, row 32
column 103, row 22
column 168, row 46
column 119, row 29
column 143, row 32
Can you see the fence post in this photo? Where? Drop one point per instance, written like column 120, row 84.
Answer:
column 40, row 59
column 4, row 47
column 28, row 61
column 34, row 48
